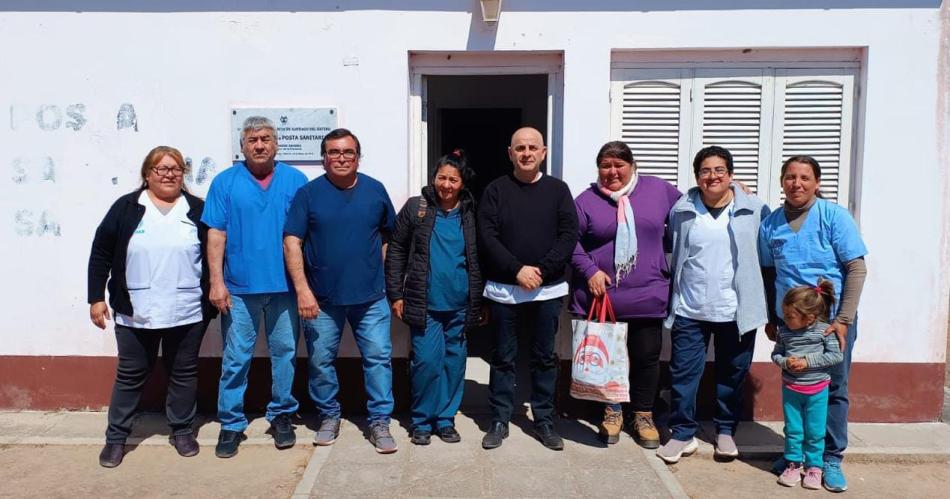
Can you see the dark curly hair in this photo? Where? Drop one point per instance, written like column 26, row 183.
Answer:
column 709, row 152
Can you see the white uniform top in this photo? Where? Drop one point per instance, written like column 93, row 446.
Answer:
column 707, row 281
column 163, row 269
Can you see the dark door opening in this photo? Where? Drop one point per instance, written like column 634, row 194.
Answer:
column 478, row 113
column 483, row 134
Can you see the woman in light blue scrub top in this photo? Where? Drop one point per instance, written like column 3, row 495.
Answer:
column 810, row 239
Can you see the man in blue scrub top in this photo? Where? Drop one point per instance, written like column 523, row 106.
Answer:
column 339, row 224
column 245, row 210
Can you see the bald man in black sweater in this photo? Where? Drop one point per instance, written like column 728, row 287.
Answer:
column 527, row 227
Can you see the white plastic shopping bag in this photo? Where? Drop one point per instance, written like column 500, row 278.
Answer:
column 600, row 367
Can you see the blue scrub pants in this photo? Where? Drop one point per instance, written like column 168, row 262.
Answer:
column 239, row 328
column 836, row 439
column 438, row 369
column 805, row 419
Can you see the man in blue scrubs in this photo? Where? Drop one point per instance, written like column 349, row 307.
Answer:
column 339, row 224
column 245, row 210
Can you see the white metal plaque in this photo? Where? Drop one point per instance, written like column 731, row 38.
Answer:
column 299, row 130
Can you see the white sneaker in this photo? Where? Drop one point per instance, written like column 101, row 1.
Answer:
column 675, row 449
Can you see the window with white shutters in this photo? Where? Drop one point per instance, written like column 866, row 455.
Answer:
column 650, row 122
column 813, row 113
column 762, row 115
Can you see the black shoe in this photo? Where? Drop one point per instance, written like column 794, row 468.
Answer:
column 548, row 437
column 449, row 435
column 111, row 455
column 421, row 437
column 283, row 431
column 228, row 442
column 186, row 445
column 497, row 432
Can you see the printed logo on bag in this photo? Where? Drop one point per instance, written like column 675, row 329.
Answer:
column 592, row 356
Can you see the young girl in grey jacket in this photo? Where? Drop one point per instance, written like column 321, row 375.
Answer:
column 805, row 352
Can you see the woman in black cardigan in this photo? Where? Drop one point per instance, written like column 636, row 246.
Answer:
column 150, row 247
column 435, row 286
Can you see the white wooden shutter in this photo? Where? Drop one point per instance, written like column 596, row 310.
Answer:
column 647, row 113
column 814, row 111
column 734, row 105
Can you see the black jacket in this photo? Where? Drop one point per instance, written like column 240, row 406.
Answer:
column 407, row 258
column 110, row 248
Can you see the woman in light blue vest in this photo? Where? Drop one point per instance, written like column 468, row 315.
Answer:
column 809, row 239
column 717, row 292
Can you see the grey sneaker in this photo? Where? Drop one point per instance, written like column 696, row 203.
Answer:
column 380, row 437
column 328, row 432
column 726, row 447
column 675, row 449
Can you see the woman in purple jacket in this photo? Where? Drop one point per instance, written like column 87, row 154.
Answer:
column 621, row 223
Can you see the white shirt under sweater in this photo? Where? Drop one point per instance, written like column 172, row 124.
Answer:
column 163, row 269
column 707, row 281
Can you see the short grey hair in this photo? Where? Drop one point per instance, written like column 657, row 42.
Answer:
column 255, row 123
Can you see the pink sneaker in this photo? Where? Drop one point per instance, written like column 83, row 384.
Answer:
column 812, row 478
column 792, row 475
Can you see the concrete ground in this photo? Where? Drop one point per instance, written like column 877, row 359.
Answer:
column 55, row 455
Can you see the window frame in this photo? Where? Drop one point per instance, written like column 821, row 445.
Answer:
column 774, row 73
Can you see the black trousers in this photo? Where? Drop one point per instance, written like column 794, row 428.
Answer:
column 542, row 317
column 138, row 352
column 644, row 341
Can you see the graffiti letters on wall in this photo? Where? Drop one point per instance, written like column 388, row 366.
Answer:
column 54, row 121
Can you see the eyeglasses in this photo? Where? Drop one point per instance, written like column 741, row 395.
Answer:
column 336, row 154
column 719, row 171
column 176, row 171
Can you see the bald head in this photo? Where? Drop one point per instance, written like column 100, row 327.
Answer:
column 527, row 153
column 529, row 133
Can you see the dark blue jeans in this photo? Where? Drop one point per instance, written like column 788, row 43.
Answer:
column 690, row 339
column 836, row 435
column 541, row 318
column 437, row 370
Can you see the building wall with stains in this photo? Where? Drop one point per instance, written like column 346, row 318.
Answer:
column 88, row 87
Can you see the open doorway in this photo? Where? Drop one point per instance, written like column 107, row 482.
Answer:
column 478, row 113
column 475, row 101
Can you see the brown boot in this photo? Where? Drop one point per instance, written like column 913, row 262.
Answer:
column 611, row 425
column 644, row 431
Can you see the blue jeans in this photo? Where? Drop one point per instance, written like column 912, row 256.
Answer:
column 438, row 369
column 804, row 426
column 836, row 437
column 541, row 318
column 370, row 323
column 690, row 339
column 239, row 328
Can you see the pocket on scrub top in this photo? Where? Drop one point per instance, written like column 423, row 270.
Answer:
column 137, row 285
column 188, row 301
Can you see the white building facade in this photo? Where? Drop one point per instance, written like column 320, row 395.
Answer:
column 88, row 87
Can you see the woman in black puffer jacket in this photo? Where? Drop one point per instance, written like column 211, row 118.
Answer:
column 435, row 286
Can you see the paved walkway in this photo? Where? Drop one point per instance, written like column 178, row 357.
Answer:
column 520, row 468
